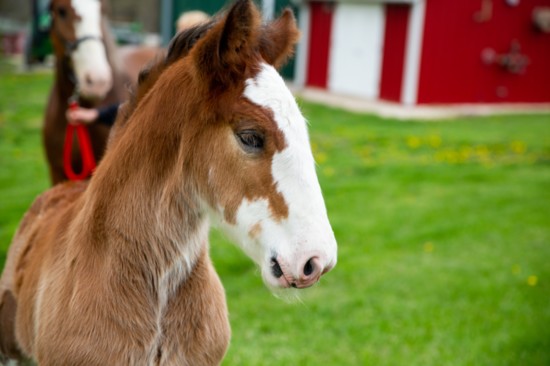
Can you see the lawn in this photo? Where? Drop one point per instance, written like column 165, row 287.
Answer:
column 443, row 231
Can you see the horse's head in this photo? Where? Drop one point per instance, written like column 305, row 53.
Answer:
column 243, row 151
column 77, row 33
column 258, row 178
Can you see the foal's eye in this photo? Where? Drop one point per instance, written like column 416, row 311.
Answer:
column 252, row 141
column 62, row 12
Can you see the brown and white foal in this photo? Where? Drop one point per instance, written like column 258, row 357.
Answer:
column 118, row 272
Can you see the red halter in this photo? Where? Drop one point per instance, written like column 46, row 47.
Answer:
column 86, row 152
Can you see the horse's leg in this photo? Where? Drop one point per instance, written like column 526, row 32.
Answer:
column 53, row 136
column 53, row 149
column 56, row 173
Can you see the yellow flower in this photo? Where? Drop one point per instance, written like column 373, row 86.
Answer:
column 518, row 147
column 328, row 171
column 320, row 157
column 428, row 247
column 413, row 142
column 434, row 140
column 440, row 156
column 452, row 157
column 365, row 152
column 482, row 151
column 465, row 153
column 532, row 280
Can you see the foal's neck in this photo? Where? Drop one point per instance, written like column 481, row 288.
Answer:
column 142, row 201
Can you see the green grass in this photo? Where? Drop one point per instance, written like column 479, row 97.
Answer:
column 443, row 231
column 23, row 173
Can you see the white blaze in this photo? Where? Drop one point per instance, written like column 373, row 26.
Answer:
column 90, row 62
column 306, row 230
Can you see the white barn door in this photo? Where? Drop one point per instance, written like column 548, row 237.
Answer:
column 356, row 50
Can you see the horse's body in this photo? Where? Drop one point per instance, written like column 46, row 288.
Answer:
column 86, row 56
column 117, row 271
column 80, row 302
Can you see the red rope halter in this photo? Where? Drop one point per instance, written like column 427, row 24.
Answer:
column 86, row 152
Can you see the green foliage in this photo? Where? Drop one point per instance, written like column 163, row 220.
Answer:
column 443, row 231
column 23, row 173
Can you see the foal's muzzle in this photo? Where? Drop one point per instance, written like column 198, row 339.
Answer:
column 308, row 272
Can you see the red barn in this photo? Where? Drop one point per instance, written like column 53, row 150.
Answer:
column 427, row 51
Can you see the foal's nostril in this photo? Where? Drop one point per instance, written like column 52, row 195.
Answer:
column 276, row 268
column 309, row 267
column 88, row 79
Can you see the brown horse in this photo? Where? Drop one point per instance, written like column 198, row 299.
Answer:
column 88, row 65
column 117, row 271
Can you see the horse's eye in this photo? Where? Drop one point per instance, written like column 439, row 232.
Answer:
column 252, row 141
column 62, row 12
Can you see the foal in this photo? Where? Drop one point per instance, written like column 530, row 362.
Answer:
column 118, row 273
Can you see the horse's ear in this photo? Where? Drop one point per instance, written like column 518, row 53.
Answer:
column 279, row 38
column 222, row 55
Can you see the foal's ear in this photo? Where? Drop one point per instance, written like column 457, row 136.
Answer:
column 222, row 55
column 278, row 39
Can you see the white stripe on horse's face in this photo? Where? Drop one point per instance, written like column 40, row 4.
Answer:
column 306, row 232
column 90, row 62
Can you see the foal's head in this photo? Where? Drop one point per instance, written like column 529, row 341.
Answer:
column 244, row 145
column 77, row 33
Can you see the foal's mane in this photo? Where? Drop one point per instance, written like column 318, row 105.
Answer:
column 179, row 47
